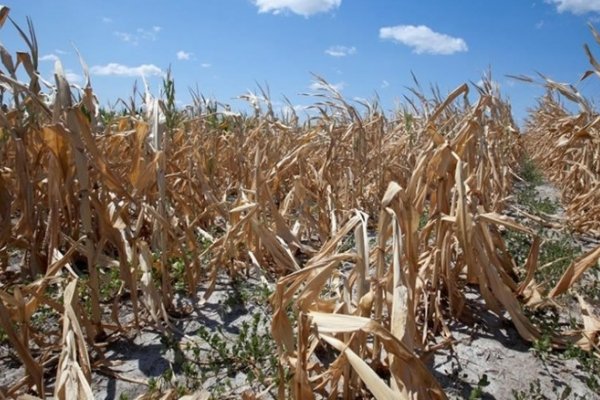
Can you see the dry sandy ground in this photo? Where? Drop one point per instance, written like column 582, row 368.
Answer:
column 492, row 347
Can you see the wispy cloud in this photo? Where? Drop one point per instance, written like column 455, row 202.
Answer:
column 49, row 57
column 577, row 7
column 206, row 65
column 127, row 37
column 72, row 77
column 107, row 20
column 539, row 24
column 139, row 35
column 305, row 8
column 320, row 86
column 288, row 110
column 149, row 34
column 183, row 55
column 423, row 40
column 384, row 84
column 116, row 69
column 340, row 51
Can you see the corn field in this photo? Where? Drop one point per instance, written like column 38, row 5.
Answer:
column 370, row 227
column 567, row 146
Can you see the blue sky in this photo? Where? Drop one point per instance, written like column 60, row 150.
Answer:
column 362, row 47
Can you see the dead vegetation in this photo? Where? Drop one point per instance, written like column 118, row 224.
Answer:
column 372, row 227
column 567, row 147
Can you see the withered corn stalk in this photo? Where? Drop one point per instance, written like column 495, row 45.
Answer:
column 567, row 148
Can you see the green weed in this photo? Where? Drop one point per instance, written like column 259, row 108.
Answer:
column 530, row 173
column 589, row 362
column 555, row 256
column 477, row 392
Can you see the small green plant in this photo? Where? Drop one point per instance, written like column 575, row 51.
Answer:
column 152, row 386
column 477, row 392
column 166, row 377
column 589, row 362
column 44, row 316
column 423, row 218
column 252, row 352
column 220, row 389
column 534, row 392
column 110, row 282
column 167, row 381
column 555, row 255
column 178, row 274
column 348, row 243
column 528, row 197
column 190, row 375
column 519, row 245
column 84, row 295
column 530, row 173
column 3, row 337
column 219, row 356
column 542, row 347
column 547, row 321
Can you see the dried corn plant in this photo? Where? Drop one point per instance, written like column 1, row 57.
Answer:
column 382, row 303
column 373, row 227
column 567, row 147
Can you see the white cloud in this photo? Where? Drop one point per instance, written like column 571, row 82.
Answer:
column 340, row 51
column 61, row 52
column 183, row 55
column 539, row 24
column 107, row 20
column 140, row 34
column 206, row 65
column 320, row 86
column 123, row 70
column 423, row 40
column 297, row 109
column 577, row 7
column 72, row 77
column 384, row 84
column 149, row 34
column 127, row 37
column 301, row 107
column 49, row 57
column 300, row 7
